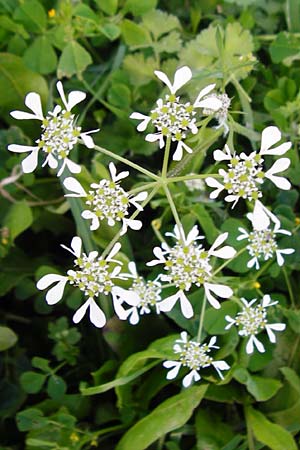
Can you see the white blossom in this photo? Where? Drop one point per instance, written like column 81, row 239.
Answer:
column 187, row 264
column 141, row 297
column 194, row 356
column 108, row 201
column 60, row 132
column 92, row 274
column 222, row 113
column 252, row 320
column 174, row 119
column 262, row 240
column 245, row 174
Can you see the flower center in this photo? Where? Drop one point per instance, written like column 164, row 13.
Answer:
column 188, row 265
column 251, row 320
column 59, row 134
column 244, row 177
column 149, row 293
column 262, row 244
column 173, row 119
column 194, row 356
column 92, row 277
column 108, row 201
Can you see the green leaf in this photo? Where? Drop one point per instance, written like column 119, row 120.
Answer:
column 171, row 43
column 139, row 68
column 215, row 322
column 6, row 23
column 292, row 11
column 135, row 35
column 8, row 338
column 268, row 433
column 18, row 219
column 73, row 60
column 56, row 387
column 16, row 80
column 32, row 15
column 109, row 6
column 110, row 30
column 262, row 388
column 206, row 222
column 30, row 419
column 119, row 95
column 159, row 22
column 284, row 46
column 292, row 377
column 41, row 363
column 169, row 415
column 40, row 56
column 138, row 8
column 32, row 382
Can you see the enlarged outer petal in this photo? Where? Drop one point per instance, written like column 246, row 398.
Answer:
column 253, row 341
column 218, row 289
column 269, row 137
column 33, row 102
column 225, row 252
column 87, row 214
column 73, row 167
column 260, row 218
column 124, row 295
column 55, row 294
column 74, row 97
column 74, row 186
column 88, row 140
column 276, row 327
column 224, row 155
column 279, row 253
column 211, row 102
column 133, row 224
column 157, row 251
column 113, row 173
column 253, row 262
column 151, row 137
column 181, row 77
column 140, row 197
column 76, row 245
column 144, row 120
column 168, row 303
column 212, row 182
column 220, row 365
column 97, row 316
column 279, row 166
column 190, row 377
column 174, row 366
column 203, row 93
column 29, row 164
column 177, row 156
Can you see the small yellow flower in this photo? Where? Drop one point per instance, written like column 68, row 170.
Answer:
column 156, row 224
column 74, row 437
column 51, row 13
column 94, row 443
column 297, row 220
column 256, row 285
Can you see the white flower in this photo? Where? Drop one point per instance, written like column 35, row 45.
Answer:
column 222, row 113
column 252, row 320
column 245, row 174
column 172, row 118
column 59, row 132
column 187, row 264
column 195, row 184
column 195, row 357
column 107, row 200
column 262, row 241
column 140, row 297
column 92, row 274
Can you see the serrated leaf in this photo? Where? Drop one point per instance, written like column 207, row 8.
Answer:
column 268, row 433
column 16, row 80
column 139, row 68
column 73, row 60
column 18, row 219
column 159, row 22
column 169, row 415
column 135, row 35
column 40, row 56
column 8, row 338
column 32, row 15
column 171, row 43
column 32, row 382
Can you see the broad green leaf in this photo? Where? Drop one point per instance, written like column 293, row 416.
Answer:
column 18, row 219
column 270, row 434
column 110, row 30
column 32, row 382
column 56, row 387
column 135, row 35
column 41, row 363
column 138, row 8
column 73, row 60
column 292, row 11
column 109, row 6
column 284, row 46
column 168, row 416
column 292, row 377
column 32, row 15
column 30, row 419
column 119, row 95
column 84, row 11
column 215, row 322
column 40, row 56
column 159, row 22
column 206, row 424
column 8, row 338
column 262, row 388
column 16, row 80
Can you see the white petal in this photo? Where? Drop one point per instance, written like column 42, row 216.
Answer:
column 49, row 279
column 250, row 346
column 30, row 163
column 133, row 224
column 74, row 98
column 73, row 167
column 177, row 155
column 253, row 262
column 129, row 297
column 279, row 253
column 267, row 301
column 116, row 248
column 211, row 103
column 21, row 148
column 218, row 241
column 186, row 307
column 182, row 76
column 203, row 93
column 175, row 369
column 280, row 182
column 113, row 172
column 231, row 322
column 134, row 316
column 74, row 186
column 55, row 294
column 97, row 316
column 76, row 245
column 145, row 120
column 212, row 342
column 220, row 365
column 168, row 303
column 220, row 290
column 51, row 161
column 33, row 102
column 279, row 166
column 188, row 379
column 81, row 311
column 260, row 217
column 87, row 214
column 225, row 252
column 214, row 303
column 214, row 183
column 276, row 327
column 155, row 137
column 280, row 150
column 258, row 345
column 22, row 115
column 157, row 251
column 88, row 140
column 269, row 137
column 220, row 155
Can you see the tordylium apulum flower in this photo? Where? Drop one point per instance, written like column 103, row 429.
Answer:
column 60, row 132
column 252, row 320
column 92, row 274
column 221, row 114
column 187, row 264
column 245, row 174
column 174, row 119
column 140, row 298
column 194, row 356
column 262, row 240
column 107, row 200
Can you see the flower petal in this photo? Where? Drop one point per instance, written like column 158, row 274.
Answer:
column 269, row 137
column 81, row 311
column 145, row 120
column 174, row 366
column 74, row 186
column 97, row 316
column 210, row 103
column 33, row 102
column 190, row 377
column 204, row 92
column 89, row 215
column 30, row 163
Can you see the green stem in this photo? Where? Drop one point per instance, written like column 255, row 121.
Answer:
column 228, row 261
column 250, row 439
column 166, row 157
column 289, row 286
column 192, row 177
column 201, row 319
column 174, row 210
